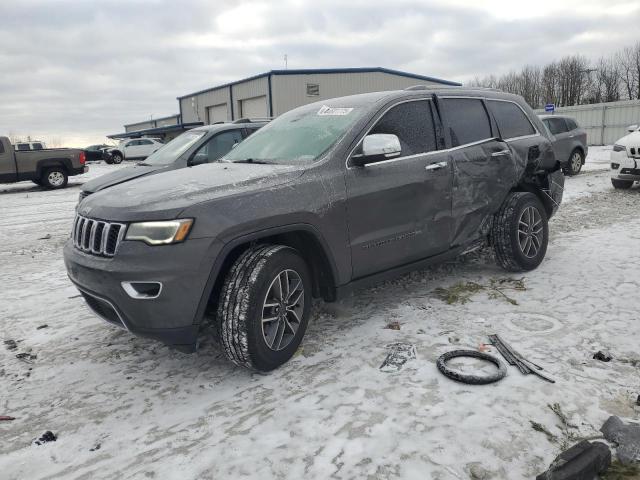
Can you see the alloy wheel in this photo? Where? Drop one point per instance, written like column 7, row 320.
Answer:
column 282, row 309
column 576, row 162
column 530, row 232
column 55, row 178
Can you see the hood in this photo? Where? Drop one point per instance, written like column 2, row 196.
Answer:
column 119, row 176
column 631, row 140
column 165, row 195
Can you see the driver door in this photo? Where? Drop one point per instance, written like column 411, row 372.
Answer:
column 399, row 210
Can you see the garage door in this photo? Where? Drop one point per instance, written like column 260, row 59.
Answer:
column 217, row 113
column 253, row 107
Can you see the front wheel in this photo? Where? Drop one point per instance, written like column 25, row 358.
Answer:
column 575, row 163
column 55, row 177
column 621, row 184
column 116, row 158
column 264, row 306
column 520, row 232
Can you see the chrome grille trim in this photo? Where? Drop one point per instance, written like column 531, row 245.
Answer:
column 97, row 237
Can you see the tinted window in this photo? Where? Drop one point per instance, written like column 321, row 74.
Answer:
column 219, row 145
column 23, row 146
column 556, row 125
column 37, row 146
column 467, row 120
column 412, row 123
column 170, row 152
column 145, row 142
column 571, row 123
column 1, row 148
column 512, row 121
column 132, row 143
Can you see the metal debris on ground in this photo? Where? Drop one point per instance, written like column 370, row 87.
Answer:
column 514, row 358
column 10, row 344
column 602, row 356
column 400, row 354
column 6, row 418
column 46, row 437
column 585, row 460
column 40, row 327
column 26, row 357
column 393, row 325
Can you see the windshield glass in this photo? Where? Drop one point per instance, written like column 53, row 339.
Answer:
column 171, row 151
column 299, row 136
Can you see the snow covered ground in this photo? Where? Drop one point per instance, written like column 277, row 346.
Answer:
column 125, row 407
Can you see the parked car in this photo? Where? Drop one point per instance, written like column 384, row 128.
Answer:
column 96, row 153
column 35, row 145
column 199, row 145
column 326, row 198
column 625, row 159
column 136, row 148
column 48, row 168
column 570, row 142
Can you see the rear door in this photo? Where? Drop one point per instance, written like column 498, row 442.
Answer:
column 483, row 166
column 562, row 145
column 399, row 210
column 131, row 149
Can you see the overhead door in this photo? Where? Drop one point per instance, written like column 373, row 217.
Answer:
column 217, row 113
column 254, row 107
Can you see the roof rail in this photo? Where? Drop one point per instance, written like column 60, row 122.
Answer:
column 253, row 119
column 417, row 87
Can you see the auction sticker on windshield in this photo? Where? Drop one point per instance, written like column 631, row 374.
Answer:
column 334, row 111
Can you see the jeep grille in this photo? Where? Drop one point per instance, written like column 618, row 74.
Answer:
column 97, row 237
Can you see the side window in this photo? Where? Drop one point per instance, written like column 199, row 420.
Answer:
column 145, row 142
column 512, row 121
column 557, row 125
column 37, row 146
column 1, row 148
column 412, row 123
column 218, row 146
column 466, row 119
column 571, row 123
column 249, row 131
column 132, row 143
column 23, row 146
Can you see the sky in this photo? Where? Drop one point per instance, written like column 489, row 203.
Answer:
column 72, row 72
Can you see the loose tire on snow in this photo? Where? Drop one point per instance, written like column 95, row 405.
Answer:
column 469, row 378
column 621, row 184
column 520, row 232
column 55, row 177
column 263, row 307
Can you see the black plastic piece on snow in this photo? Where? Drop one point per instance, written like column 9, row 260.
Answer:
column 583, row 461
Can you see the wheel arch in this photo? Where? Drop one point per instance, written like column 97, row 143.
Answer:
column 43, row 165
column 546, row 201
column 302, row 237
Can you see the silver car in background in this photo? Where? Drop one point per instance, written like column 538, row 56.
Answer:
column 570, row 142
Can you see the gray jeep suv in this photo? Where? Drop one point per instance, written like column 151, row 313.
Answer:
column 325, row 198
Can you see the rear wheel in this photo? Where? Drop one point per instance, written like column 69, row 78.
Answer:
column 520, row 232
column 55, row 177
column 621, row 184
column 264, row 307
column 575, row 163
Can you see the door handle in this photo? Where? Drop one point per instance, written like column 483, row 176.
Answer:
column 435, row 166
column 501, row 153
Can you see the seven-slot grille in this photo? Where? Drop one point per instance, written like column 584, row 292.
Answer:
column 97, row 237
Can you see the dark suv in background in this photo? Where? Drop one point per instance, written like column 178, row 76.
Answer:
column 325, row 198
column 199, row 145
column 569, row 142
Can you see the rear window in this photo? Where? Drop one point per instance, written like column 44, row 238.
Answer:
column 556, row 125
column 512, row 121
column 37, row 146
column 467, row 120
column 22, row 146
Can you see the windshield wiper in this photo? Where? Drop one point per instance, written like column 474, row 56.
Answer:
column 252, row 160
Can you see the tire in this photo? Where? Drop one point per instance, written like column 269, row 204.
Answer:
column 54, row 178
column 116, row 158
column 108, row 161
column 244, row 303
column 520, row 232
column 37, row 182
column 574, row 165
column 621, row 184
column 467, row 378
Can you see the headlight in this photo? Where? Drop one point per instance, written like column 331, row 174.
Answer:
column 159, row 233
column 619, row 148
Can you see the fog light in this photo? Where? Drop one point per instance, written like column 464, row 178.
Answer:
column 615, row 166
column 142, row 290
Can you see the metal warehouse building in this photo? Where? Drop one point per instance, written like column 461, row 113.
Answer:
column 271, row 94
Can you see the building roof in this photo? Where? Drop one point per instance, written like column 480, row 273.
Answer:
column 152, row 120
column 155, row 131
column 327, row 71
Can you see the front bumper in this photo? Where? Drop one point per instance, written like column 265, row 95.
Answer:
column 182, row 269
column 624, row 167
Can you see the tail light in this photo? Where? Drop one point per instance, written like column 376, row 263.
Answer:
column 83, row 157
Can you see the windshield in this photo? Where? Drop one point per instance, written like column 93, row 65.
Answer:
column 171, row 151
column 299, row 136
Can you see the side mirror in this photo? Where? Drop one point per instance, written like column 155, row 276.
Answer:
column 632, row 128
column 198, row 159
column 376, row 148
